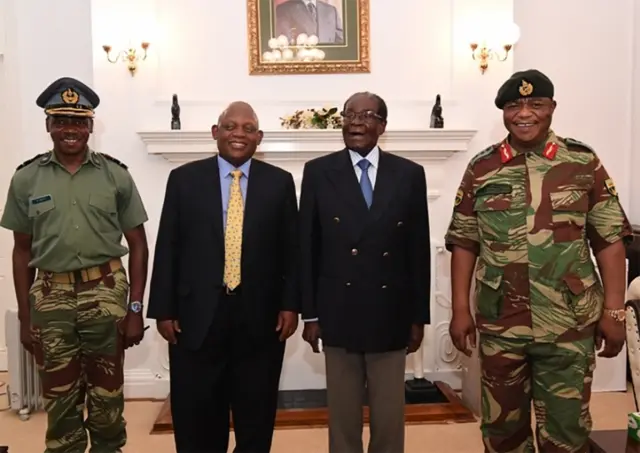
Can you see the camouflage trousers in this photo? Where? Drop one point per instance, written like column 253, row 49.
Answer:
column 80, row 356
column 555, row 376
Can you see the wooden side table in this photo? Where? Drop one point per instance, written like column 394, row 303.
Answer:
column 613, row 441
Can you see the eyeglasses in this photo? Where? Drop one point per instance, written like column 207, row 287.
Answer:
column 367, row 115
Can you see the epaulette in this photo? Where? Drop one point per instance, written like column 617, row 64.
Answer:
column 485, row 153
column 570, row 142
column 113, row 159
column 33, row 159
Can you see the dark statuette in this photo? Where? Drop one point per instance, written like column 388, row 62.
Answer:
column 437, row 121
column 175, row 114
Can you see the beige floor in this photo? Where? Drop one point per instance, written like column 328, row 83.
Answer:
column 609, row 412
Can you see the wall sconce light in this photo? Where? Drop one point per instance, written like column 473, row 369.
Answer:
column 129, row 56
column 497, row 46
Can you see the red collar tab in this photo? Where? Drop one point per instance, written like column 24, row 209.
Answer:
column 506, row 153
column 550, row 150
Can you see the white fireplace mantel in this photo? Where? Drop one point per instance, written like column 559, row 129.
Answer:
column 298, row 146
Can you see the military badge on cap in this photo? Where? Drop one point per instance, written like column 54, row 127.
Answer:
column 459, row 195
column 68, row 97
column 525, row 88
column 611, row 187
column 522, row 85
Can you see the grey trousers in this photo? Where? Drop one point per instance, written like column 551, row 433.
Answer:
column 349, row 376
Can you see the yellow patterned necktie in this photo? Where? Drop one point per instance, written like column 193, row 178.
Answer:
column 233, row 233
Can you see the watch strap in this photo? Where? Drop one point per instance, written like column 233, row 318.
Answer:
column 618, row 315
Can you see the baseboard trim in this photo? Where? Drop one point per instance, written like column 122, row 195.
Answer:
column 145, row 384
column 3, row 360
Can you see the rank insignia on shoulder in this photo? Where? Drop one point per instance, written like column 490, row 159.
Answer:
column 611, row 187
column 43, row 156
column 113, row 159
column 459, row 195
column 572, row 142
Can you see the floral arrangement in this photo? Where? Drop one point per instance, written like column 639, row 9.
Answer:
column 324, row 118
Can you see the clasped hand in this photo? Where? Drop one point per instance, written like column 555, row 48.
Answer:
column 286, row 325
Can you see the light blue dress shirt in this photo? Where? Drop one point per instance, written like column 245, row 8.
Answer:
column 225, row 169
column 374, row 159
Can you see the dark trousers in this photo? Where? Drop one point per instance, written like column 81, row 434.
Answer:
column 232, row 370
column 381, row 375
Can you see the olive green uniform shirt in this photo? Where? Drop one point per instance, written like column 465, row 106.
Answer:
column 76, row 220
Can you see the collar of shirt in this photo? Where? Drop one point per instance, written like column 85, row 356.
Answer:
column 226, row 168
column 306, row 2
column 373, row 157
column 89, row 157
column 540, row 149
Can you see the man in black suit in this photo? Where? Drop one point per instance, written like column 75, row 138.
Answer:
column 223, row 289
column 365, row 280
column 311, row 17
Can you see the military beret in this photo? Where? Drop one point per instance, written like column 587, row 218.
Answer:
column 68, row 97
column 524, row 84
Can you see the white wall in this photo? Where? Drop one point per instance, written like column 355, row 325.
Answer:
column 198, row 50
column 589, row 57
column 27, row 67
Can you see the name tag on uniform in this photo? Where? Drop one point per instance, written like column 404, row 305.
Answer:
column 494, row 189
column 42, row 199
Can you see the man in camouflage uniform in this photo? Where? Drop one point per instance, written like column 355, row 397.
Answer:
column 68, row 209
column 529, row 209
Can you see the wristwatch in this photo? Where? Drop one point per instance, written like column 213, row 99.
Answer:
column 135, row 306
column 618, row 315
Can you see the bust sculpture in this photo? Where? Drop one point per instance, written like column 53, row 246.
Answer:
column 175, row 113
column 437, row 121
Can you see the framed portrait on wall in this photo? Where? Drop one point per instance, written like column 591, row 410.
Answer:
column 308, row 36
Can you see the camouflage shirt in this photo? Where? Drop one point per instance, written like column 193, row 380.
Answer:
column 531, row 218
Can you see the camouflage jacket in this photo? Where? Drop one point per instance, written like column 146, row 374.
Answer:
column 531, row 218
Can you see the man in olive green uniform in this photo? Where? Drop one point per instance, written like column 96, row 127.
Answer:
column 530, row 208
column 68, row 209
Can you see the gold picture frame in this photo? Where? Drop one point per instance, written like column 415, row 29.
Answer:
column 348, row 53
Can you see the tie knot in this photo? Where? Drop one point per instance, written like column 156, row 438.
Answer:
column 236, row 174
column 364, row 164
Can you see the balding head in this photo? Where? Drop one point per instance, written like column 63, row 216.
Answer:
column 237, row 133
column 239, row 108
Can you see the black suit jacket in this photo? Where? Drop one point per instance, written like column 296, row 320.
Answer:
column 293, row 14
column 188, row 268
column 365, row 273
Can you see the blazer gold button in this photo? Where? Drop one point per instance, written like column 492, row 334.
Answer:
column 336, row 219
column 400, row 223
column 385, row 254
column 347, row 284
column 384, row 286
column 354, row 252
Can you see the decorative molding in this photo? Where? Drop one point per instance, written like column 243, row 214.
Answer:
column 144, row 384
column 3, row 359
column 448, row 355
column 298, row 146
column 442, row 282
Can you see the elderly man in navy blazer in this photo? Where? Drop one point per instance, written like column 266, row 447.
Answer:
column 364, row 273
